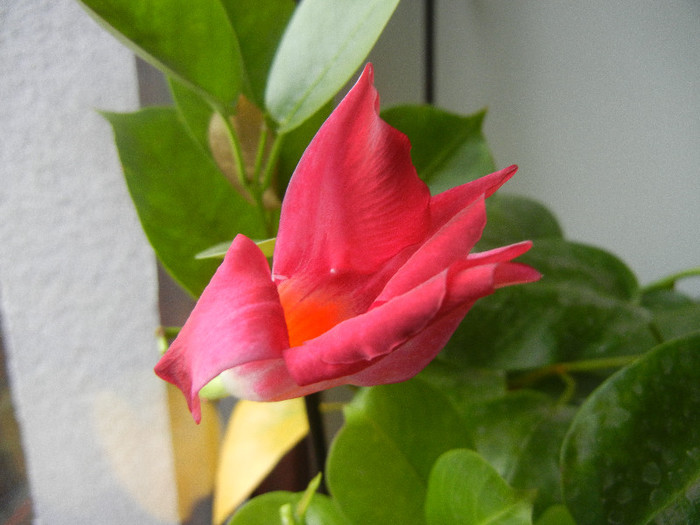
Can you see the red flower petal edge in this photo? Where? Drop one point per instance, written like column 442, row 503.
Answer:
column 371, row 274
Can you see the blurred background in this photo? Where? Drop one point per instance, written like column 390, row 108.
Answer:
column 597, row 102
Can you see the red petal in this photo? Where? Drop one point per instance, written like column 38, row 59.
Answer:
column 238, row 319
column 447, row 204
column 355, row 199
column 355, row 343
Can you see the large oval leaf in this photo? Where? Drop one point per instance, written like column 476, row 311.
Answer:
column 185, row 205
column 465, row 490
column 192, row 41
column 323, row 45
column 632, row 454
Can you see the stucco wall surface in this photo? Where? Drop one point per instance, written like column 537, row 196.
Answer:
column 77, row 278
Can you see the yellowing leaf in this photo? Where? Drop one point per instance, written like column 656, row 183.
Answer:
column 257, row 437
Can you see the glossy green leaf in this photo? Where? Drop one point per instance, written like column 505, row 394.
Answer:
column 583, row 308
column 447, row 149
column 632, row 454
column 194, row 111
column 556, row 515
column 183, row 202
column 380, row 461
column 464, row 489
column 537, row 325
column 269, row 509
column 577, row 265
column 192, row 41
column 218, row 251
column 325, row 42
column 259, row 25
column 512, row 219
column 520, row 435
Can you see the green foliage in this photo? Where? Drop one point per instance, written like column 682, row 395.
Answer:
column 632, row 454
column 183, row 202
column 191, row 41
column 521, row 406
column 323, row 45
column 488, row 498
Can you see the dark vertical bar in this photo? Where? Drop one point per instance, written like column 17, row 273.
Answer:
column 317, row 436
column 429, row 35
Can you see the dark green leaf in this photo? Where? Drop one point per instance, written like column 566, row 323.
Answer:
column 570, row 264
column 185, row 205
column 632, row 454
column 538, row 324
column 323, row 45
column 380, row 460
column 447, row 149
column 259, row 25
column 465, row 490
column 513, row 219
column 266, row 510
column 674, row 314
column 520, row 435
column 192, row 41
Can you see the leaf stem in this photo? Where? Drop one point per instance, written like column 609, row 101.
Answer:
column 236, row 149
column 565, row 369
column 667, row 283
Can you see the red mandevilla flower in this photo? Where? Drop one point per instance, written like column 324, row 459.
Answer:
column 371, row 275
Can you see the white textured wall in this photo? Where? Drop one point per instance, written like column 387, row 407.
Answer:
column 599, row 104
column 77, row 278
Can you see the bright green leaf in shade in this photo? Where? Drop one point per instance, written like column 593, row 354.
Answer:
column 192, row 41
column 581, row 309
column 675, row 314
column 273, row 507
column 325, row 42
column 465, row 490
column 194, row 111
column 556, row 515
column 512, row 219
column 380, row 461
column 632, row 455
column 259, row 25
column 185, row 205
column 447, row 149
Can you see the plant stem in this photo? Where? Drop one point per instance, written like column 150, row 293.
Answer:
column 317, row 437
column 667, row 283
column 565, row 369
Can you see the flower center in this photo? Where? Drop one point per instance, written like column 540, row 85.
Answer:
column 309, row 315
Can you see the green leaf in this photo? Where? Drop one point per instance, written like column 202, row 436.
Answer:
column 513, row 219
column 267, row 510
column 571, row 264
column 380, row 461
column 251, row 19
column 218, row 251
column 583, row 308
column 323, row 45
column 447, row 149
column 632, row 454
column 537, row 325
column 194, row 111
column 520, row 435
column 185, row 205
column 465, row 490
column 191, row 41
column 556, row 515
column 675, row 314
